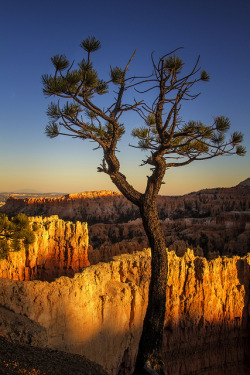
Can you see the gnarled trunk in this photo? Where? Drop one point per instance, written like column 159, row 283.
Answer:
column 149, row 350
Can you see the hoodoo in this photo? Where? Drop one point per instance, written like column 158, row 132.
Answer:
column 99, row 312
column 60, row 249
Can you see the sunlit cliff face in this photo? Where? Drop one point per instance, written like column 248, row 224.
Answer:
column 99, row 312
column 93, row 194
column 60, row 249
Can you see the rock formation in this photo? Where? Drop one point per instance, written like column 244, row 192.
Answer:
column 20, row 329
column 227, row 234
column 110, row 207
column 90, row 207
column 211, row 221
column 60, row 248
column 99, row 312
column 244, row 183
column 16, row 358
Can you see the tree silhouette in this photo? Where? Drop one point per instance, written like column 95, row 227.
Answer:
column 167, row 140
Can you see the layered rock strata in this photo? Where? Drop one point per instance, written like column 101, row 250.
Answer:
column 90, row 207
column 209, row 221
column 60, row 248
column 99, row 312
column 110, row 207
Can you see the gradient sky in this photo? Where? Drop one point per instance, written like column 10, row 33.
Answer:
column 33, row 31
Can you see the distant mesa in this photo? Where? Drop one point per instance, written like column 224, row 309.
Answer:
column 27, row 194
column 93, row 194
column 244, row 183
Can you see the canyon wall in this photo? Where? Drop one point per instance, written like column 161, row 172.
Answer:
column 89, row 207
column 60, row 248
column 209, row 221
column 99, row 312
column 112, row 208
column 227, row 234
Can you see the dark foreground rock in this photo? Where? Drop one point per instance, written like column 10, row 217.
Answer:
column 24, row 359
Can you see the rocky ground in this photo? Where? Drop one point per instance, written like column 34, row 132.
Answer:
column 29, row 360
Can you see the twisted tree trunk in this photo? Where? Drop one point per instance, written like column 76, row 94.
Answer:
column 149, row 351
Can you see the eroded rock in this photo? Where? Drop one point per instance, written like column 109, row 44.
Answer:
column 214, row 220
column 99, row 312
column 60, row 248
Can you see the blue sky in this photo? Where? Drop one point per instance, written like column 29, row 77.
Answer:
column 33, row 31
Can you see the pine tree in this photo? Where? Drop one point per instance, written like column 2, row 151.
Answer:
column 167, row 140
column 14, row 233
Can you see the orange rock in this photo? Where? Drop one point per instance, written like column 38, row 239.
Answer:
column 99, row 312
column 214, row 220
column 60, row 249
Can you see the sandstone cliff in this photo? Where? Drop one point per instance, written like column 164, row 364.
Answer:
column 209, row 221
column 110, row 207
column 99, row 312
column 88, row 206
column 60, row 248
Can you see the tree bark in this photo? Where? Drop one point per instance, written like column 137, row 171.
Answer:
column 150, row 345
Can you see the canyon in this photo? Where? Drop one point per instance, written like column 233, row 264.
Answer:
column 111, row 207
column 81, row 287
column 211, row 221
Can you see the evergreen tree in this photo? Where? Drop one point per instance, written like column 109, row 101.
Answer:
column 13, row 233
column 167, row 140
